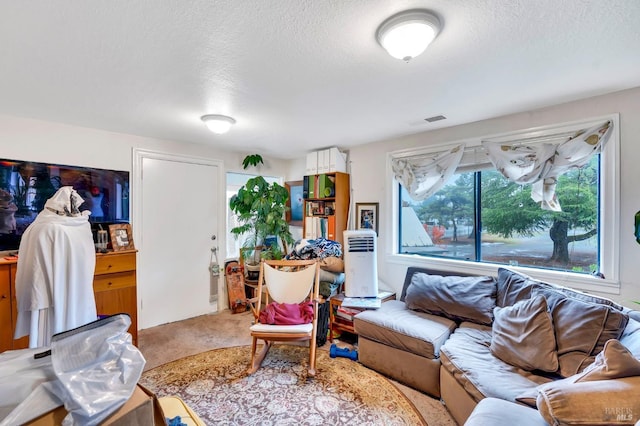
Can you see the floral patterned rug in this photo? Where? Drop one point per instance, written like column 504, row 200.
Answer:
column 215, row 385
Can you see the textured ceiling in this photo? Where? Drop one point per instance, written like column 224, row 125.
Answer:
column 299, row 75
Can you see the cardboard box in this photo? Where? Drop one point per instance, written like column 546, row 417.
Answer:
column 142, row 409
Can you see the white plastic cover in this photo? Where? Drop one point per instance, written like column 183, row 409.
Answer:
column 93, row 370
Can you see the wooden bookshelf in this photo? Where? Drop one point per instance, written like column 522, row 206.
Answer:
column 326, row 205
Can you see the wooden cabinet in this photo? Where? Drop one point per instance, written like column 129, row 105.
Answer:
column 114, row 286
column 6, row 336
column 22, row 342
column 326, row 205
column 9, row 308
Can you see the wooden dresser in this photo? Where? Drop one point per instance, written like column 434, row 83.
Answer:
column 114, row 286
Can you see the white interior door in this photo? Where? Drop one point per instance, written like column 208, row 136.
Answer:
column 178, row 211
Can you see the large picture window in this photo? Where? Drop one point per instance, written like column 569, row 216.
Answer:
column 482, row 216
column 545, row 199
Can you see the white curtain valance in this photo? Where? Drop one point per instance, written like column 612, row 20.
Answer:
column 542, row 164
column 423, row 175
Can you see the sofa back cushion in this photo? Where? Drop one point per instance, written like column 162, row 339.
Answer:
column 581, row 328
column 515, row 286
column 412, row 270
column 460, row 298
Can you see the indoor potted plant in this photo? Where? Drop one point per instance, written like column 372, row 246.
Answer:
column 260, row 207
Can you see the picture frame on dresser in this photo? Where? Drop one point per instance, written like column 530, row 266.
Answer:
column 121, row 237
column 367, row 216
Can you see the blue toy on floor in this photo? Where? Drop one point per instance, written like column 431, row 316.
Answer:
column 335, row 351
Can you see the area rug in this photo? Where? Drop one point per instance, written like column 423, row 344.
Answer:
column 215, row 385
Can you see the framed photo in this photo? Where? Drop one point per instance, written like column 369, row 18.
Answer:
column 295, row 202
column 121, row 237
column 367, row 216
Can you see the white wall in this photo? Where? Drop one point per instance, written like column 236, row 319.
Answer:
column 34, row 140
column 51, row 142
column 40, row 141
column 370, row 183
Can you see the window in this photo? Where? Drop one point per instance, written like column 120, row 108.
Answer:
column 482, row 217
column 510, row 227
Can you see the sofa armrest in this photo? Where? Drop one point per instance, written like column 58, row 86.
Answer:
column 591, row 403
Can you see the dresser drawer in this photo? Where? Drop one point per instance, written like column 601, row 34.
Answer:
column 115, row 263
column 114, row 281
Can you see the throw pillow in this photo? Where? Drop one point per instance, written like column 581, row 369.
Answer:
column 454, row 297
column 614, row 362
column 523, row 335
column 581, row 329
column 332, row 264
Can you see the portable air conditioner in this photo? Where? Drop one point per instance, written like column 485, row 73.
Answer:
column 360, row 263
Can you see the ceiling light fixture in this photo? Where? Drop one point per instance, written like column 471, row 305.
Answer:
column 407, row 34
column 218, row 123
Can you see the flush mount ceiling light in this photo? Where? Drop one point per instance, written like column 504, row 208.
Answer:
column 407, row 34
column 218, row 123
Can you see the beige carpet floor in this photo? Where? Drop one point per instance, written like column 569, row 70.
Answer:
column 173, row 341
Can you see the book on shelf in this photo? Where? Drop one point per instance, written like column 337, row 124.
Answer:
column 326, row 186
column 346, row 313
column 318, row 186
column 362, row 302
column 319, row 227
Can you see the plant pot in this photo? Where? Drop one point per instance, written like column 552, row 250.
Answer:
column 253, row 271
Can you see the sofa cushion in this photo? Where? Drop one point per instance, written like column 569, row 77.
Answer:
column 497, row 412
column 467, row 357
column 523, row 335
column 512, row 287
column 614, row 362
column 455, row 297
column 396, row 326
column 515, row 286
column 581, row 328
column 600, row 402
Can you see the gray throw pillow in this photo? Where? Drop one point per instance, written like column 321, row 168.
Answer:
column 454, row 297
column 523, row 335
column 581, row 329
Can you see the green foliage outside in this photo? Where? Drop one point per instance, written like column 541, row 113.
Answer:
column 508, row 210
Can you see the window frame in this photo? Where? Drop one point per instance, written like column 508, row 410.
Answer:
column 609, row 215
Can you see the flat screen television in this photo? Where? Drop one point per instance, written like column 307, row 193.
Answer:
column 25, row 186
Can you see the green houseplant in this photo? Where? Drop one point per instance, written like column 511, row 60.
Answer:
column 260, row 208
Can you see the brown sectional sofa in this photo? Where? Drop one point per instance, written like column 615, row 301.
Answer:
column 518, row 343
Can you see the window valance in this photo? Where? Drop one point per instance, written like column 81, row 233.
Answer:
column 541, row 164
column 422, row 175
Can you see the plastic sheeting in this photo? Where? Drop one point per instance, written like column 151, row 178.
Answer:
column 92, row 370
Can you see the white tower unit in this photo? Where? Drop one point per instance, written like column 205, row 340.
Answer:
column 360, row 263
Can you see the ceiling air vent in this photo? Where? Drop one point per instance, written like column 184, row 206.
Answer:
column 435, row 118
